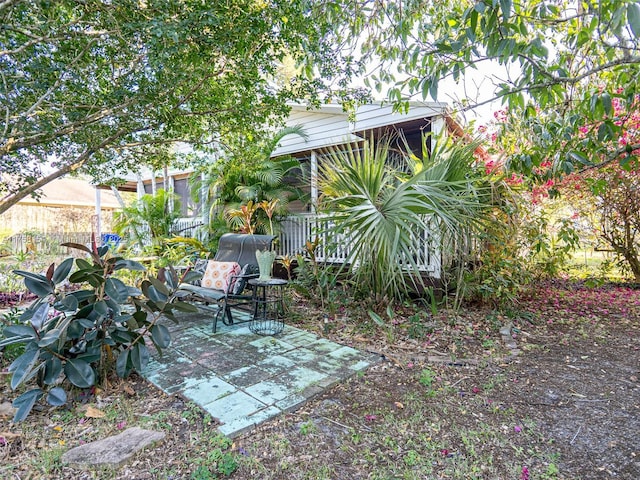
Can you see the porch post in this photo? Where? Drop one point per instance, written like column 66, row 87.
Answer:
column 204, row 205
column 139, row 187
column 314, row 181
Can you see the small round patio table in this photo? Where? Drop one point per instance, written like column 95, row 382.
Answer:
column 268, row 306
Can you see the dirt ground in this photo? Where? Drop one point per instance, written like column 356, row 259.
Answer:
column 576, row 397
column 450, row 400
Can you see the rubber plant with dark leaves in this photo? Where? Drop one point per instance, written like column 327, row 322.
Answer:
column 75, row 339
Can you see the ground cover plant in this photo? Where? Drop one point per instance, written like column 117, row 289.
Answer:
column 450, row 400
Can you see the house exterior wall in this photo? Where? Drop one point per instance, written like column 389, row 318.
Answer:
column 322, row 128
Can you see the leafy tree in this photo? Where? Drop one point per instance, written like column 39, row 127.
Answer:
column 563, row 63
column 608, row 200
column 380, row 213
column 100, row 87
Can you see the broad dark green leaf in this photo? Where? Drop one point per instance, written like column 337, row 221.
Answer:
column 23, row 366
column 82, row 295
column 69, row 303
column 130, row 265
column 50, row 337
column 134, row 292
column 159, row 286
column 19, row 331
column 92, row 354
column 24, row 403
column 101, row 308
column 115, row 307
column 184, row 307
column 40, row 288
column 161, row 336
column 34, row 276
column 85, row 265
column 122, row 364
column 116, row 289
column 77, row 246
column 122, row 335
column 139, row 356
column 62, row 271
column 153, row 294
column 40, row 315
column 79, row 373
column 191, row 276
column 52, row 370
column 57, row 397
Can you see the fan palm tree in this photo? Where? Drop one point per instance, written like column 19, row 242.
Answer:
column 381, row 210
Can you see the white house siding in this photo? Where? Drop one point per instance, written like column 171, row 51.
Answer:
column 323, row 128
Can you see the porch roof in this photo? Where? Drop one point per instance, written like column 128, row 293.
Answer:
column 330, row 125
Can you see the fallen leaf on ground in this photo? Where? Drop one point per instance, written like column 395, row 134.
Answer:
column 93, row 412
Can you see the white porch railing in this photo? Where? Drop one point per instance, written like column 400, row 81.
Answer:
column 296, row 230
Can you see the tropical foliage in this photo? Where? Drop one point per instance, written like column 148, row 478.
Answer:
column 76, row 339
column 607, row 202
column 154, row 214
column 247, row 176
column 382, row 215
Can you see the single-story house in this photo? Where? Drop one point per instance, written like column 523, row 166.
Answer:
column 329, row 126
column 64, row 205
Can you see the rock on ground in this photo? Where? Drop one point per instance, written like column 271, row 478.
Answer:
column 114, row 450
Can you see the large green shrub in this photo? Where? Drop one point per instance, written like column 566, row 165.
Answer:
column 76, row 338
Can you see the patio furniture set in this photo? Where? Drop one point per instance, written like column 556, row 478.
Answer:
column 231, row 281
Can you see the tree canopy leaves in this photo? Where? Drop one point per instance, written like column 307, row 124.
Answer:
column 558, row 65
column 102, row 87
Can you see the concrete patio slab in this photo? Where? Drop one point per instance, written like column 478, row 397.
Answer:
column 243, row 379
